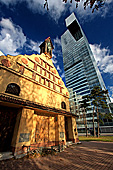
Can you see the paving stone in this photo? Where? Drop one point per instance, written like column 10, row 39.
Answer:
column 86, row 156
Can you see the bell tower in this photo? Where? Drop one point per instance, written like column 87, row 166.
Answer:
column 46, row 47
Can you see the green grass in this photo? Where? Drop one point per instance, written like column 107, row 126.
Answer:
column 101, row 138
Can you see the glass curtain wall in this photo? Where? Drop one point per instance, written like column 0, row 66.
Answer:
column 81, row 71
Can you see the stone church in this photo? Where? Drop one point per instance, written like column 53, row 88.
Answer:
column 34, row 102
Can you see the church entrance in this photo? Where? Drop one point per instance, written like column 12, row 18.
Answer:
column 7, row 123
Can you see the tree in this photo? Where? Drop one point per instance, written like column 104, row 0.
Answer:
column 109, row 116
column 98, row 97
column 84, row 105
column 94, row 4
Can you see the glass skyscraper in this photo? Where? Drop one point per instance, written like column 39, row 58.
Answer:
column 81, row 71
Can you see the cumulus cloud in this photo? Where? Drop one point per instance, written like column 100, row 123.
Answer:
column 56, row 8
column 33, row 46
column 11, row 37
column 13, row 40
column 103, row 58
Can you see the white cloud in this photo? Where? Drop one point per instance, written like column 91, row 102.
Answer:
column 13, row 40
column 34, row 46
column 56, row 7
column 54, row 60
column 103, row 58
column 7, row 24
column 11, row 37
column 57, row 41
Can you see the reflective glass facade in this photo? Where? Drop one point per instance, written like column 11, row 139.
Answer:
column 81, row 71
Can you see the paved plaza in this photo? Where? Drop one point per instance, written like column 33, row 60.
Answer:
column 88, row 155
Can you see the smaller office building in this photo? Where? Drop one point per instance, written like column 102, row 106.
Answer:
column 34, row 102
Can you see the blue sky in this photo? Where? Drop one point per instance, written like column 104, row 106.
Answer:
column 25, row 24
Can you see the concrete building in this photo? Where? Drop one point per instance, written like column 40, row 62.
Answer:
column 34, row 102
column 81, row 71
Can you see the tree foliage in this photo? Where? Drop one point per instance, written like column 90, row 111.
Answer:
column 94, row 4
column 108, row 116
column 98, row 97
column 84, row 103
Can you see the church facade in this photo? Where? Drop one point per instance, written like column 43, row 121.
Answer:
column 34, row 102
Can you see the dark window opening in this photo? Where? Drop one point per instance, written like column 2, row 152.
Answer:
column 13, row 89
column 75, row 30
column 63, row 105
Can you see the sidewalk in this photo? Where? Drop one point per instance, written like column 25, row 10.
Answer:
column 88, row 155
